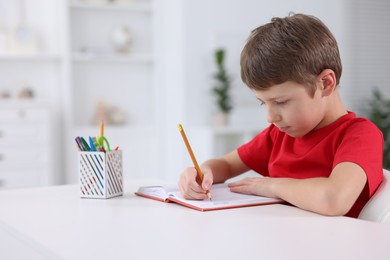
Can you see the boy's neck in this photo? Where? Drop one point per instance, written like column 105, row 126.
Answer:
column 335, row 109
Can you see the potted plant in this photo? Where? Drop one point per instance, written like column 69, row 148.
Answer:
column 221, row 90
column 379, row 114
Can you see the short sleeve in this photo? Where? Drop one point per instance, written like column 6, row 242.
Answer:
column 256, row 153
column 363, row 144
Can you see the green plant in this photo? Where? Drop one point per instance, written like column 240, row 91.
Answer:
column 379, row 114
column 222, row 88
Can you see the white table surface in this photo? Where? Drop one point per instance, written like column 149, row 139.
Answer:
column 54, row 223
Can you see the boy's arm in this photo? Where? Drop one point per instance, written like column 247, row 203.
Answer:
column 224, row 168
column 214, row 171
column 334, row 195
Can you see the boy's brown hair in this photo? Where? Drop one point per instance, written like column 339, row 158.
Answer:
column 295, row 48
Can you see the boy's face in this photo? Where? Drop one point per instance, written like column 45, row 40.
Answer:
column 290, row 108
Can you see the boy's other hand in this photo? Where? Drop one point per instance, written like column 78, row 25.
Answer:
column 189, row 184
column 260, row 186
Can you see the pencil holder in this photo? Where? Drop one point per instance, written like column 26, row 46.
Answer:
column 100, row 174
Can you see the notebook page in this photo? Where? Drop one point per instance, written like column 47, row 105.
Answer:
column 222, row 197
column 157, row 191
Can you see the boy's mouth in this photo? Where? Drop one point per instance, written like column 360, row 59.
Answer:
column 283, row 128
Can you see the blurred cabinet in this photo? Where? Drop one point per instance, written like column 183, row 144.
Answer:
column 31, row 65
column 87, row 60
column 211, row 142
column 111, row 68
column 25, row 145
column 227, row 139
column 112, row 77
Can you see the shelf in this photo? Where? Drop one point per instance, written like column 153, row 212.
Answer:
column 29, row 57
column 23, row 103
column 98, row 74
column 130, row 58
column 136, row 6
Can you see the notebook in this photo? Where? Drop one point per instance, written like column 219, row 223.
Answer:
column 222, row 197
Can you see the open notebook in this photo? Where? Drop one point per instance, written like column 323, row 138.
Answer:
column 222, row 197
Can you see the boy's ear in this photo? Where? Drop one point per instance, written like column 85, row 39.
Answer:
column 327, row 82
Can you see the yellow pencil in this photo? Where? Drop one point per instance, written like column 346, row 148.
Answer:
column 102, row 128
column 200, row 174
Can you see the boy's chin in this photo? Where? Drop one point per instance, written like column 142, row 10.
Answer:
column 295, row 134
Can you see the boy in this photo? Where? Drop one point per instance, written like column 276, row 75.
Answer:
column 315, row 154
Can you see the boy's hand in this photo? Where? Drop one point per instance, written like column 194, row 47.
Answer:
column 189, row 184
column 260, row 186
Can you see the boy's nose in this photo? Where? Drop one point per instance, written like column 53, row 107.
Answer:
column 273, row 117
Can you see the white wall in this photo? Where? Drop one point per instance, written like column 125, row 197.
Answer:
column 206, row 25
column 210, row 24
column 362, row 29
column 188, row 32
column 369, row 47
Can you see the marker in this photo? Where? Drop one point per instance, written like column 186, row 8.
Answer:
column 86, row 147
column 79, row 145
column 91, row 144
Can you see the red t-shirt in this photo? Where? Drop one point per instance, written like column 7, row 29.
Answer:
column 349, row 139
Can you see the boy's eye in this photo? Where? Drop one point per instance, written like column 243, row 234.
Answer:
column 281, row 102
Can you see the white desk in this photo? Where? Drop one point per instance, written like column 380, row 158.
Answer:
column 54, row 222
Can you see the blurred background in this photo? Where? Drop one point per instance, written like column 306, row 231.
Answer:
column 143, row 66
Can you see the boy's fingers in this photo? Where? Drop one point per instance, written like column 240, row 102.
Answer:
column 206, row 184
column 191, row 194
column 193, row 191
column 207, row 180
column 237, row 183
column 188, row 178
column 196, row 188
column 189, row 186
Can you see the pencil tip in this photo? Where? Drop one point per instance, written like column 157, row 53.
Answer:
column 209, row 195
